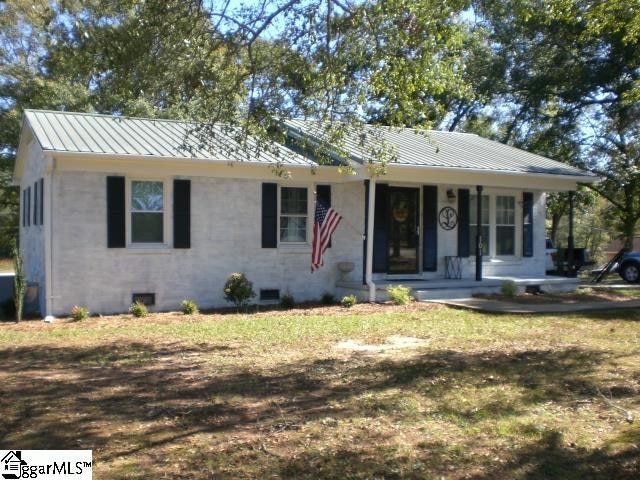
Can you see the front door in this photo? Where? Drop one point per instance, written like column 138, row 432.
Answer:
column 403, row 230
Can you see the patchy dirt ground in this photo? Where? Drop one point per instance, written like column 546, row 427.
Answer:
column 270, row 395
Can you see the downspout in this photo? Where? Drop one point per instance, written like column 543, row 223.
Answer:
column 48, row 238
column 369, row 258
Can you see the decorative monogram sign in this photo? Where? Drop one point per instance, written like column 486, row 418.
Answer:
column 448, row 218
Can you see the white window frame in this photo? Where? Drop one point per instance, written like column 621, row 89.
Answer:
column 310, row 209
column 166, row 194
column 514, row 225
column 493, row 194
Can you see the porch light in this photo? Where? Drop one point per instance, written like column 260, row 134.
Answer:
column 451, row 195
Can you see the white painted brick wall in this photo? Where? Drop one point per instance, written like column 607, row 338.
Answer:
column 225, row 238
column 32, row 237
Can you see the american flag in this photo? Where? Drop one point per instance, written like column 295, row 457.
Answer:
column 325, row 223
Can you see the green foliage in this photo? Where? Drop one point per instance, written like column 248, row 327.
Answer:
column 287, row 301
column 79, row 313
column 138, row 310
column 238, row 290
column 19, row 283
column 349, row 301
column 508, row 288
column 189, row 307
column 399, row 294
column 327, row 299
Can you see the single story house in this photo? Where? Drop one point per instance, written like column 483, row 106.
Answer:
column 115, row 209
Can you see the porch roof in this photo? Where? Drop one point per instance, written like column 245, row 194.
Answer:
column 438, row 149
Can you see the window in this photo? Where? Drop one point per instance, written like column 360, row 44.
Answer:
column 147, row 212
column 293, row 215
column 505, row 225
column 473, row 225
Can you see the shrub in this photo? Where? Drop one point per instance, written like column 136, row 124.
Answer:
column 509, row 288
column 349, row 301
column 238, row 289
column 138, row 310
column 79, row 313
column 189, row 307
column 399, row 294
column 287, row 301
column 327, row 299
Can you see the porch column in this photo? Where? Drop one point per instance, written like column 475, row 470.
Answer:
column 479, row 233
column 571, row 270
column 369, row 258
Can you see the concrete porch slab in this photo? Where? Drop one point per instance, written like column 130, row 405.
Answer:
column 497, row 306
column 442, row 288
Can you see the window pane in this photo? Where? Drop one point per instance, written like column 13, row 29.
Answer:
column 505, row 240
column 293, row 201
column 505, row 210
column 293, row 229
column 146, row 196
column 473, row 201
column 485, row 239
column 146, row 227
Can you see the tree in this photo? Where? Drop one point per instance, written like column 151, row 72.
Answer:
column 572, row 71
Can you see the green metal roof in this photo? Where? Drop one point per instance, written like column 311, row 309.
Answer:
column 115, row 135
column 432, row 148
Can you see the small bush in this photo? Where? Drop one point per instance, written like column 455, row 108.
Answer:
column 508, row 288
column 189, row 307
column 327, row 299
column 238, row 290
column 349, row 301
column 139, row 310
column 287, row 301
column 79, row 313
column 399, row 294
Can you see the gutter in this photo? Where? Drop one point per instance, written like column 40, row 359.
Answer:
column 555, row 176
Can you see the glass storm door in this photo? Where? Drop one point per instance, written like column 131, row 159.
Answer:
column 403, row 227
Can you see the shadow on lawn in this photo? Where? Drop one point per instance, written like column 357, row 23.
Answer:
column 127, row 398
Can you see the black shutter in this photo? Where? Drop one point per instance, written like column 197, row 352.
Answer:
column 380, row 228
column 182, row 214
column 430, row 228
column 28, row 206
column 116, row 215
column 323, row 194
column 527, row 224
column 41, row 201
column 463, row 222
column 35, row 203
column 24, row 207
column 269, row 215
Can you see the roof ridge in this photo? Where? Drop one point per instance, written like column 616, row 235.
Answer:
column 420, row 130
column 120, row 117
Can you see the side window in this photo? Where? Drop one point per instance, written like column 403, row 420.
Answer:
column 505, row 225
column 293, row 215
column 147, row 212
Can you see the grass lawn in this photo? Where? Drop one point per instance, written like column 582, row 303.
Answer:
column 271, row 395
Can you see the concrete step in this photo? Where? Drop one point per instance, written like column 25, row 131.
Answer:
column 426, row 294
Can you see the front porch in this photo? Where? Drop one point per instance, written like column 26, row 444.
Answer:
column 438, row 289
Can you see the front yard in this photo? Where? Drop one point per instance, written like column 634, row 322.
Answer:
column 330, row 393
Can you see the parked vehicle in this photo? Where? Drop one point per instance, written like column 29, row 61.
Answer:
column 550, row 255
column 629, row 267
